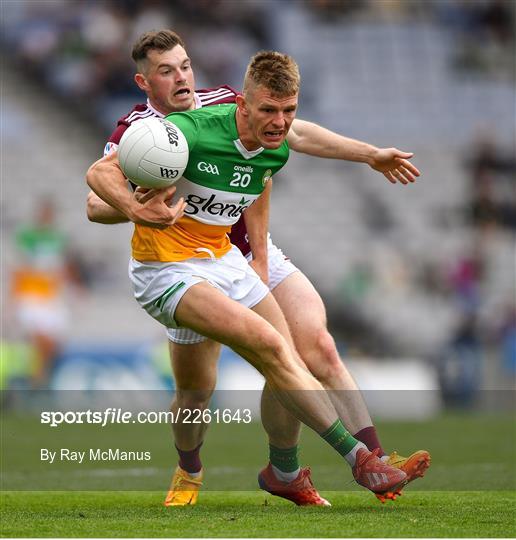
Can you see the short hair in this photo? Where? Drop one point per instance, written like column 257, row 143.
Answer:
column 159, row 40
column 275, row 71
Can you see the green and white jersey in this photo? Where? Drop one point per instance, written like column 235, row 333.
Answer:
column 221, row 180
column 41, row 263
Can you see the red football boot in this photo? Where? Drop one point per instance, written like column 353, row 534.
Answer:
column 376, row 475
column 413, row 466
column 300, row 491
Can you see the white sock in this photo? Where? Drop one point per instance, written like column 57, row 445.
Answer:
column 194, row 474
column 285, row 476
column 351, row 456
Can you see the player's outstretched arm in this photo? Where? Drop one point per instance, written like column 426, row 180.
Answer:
column 309, row 138
column 107, row 180
column 256, row 219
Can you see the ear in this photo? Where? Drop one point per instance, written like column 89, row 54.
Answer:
column 141, row 81
column 242, row 104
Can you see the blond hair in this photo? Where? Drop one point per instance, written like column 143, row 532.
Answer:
column 275, row 71
column 158, row 40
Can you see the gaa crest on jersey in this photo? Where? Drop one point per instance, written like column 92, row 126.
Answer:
column 267, row 175
column 110, row 148
column 208, row 167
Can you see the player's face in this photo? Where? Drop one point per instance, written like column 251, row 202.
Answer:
column 169, row 80
column 270, row 117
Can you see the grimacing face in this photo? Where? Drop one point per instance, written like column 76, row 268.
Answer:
column 267, row 118
column 168, row 80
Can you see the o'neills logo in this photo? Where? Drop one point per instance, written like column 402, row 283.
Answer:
column 196, row 204
column 247, row 169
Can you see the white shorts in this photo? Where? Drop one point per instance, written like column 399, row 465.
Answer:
column 158, row 286
column 279, row 268
column 44, row 317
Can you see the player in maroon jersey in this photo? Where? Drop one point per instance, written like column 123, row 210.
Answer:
column 165, row 75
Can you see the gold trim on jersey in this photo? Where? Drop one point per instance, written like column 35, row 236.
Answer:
column 180, row 242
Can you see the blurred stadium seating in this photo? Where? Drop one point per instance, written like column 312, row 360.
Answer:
column 403, row 270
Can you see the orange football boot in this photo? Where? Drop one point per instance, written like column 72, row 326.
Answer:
column 184, row 490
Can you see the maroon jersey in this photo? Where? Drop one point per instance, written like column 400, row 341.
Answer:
column 202, row 98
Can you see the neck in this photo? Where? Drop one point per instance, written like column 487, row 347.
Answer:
column 244, row 133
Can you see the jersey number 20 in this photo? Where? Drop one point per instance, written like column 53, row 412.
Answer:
column 240, row 180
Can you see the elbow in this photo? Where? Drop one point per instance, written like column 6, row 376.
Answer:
column 97, row 172
column 90, row 207
column 91, row 174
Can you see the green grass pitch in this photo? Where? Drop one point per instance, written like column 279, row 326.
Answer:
column 245, row 514
column 468, row 492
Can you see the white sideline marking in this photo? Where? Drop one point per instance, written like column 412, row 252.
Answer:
column 114, row 472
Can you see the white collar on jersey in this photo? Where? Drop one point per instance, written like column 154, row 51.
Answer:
column 197, row 105
column 247, row 154
column 154, row 111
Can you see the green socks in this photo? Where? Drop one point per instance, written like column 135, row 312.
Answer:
column 340, row 438
column 285, row 463
column 284, row 459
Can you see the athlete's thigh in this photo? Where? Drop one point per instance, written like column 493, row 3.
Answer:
column 195, row 365
column 210, row 312
column 302, row 307
column 269, row 310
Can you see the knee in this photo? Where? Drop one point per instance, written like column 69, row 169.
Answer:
column 191, row 398
column 322, row 357
column 272, row 349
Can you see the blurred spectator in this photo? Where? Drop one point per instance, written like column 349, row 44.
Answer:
column 488, row 155
column 508, row 340
column 37, row 289
column 485, row 35
column 497, row 18
column 460, row 365
column 493, row 189
column 484, row 210
column 466, row 280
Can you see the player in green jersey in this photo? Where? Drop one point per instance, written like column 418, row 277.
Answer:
column 263, row 117
column 165, row 74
